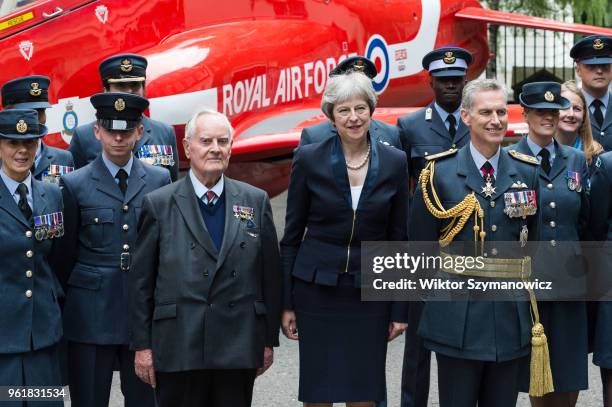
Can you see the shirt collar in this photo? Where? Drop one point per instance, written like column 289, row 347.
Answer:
column 12, row 185
column 444, row 114
column 114, row 168
column 200, row 189
column 535, row 149
column 589, row 99
column 480, row 159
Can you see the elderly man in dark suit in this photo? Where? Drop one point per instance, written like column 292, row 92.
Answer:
column 127, row 73
column 103, row 203
column 32, row 92
column 206, row 284
column 380, row 132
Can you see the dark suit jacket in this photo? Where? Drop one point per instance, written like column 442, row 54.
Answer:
column 600, row 222
column 379, row 131
column 85, row 147
column 319, row 201
column 195, row 307
column 603, row 134
column 421, row 137
column 100, row 222
column 51, row 155
column 35, row 322
column 476, row 329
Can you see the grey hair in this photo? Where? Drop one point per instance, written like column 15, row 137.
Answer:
column 480, row 85
column 190, row 127
column 340, row 88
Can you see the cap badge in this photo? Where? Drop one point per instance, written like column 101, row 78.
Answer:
column 119, row 105
column 359, row 66
column 449, row 57
column 21, row 126
column 598, row 44
column 549, row 96
column 36, row 90
column 126, row 65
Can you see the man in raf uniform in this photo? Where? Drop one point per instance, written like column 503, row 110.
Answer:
column 593, row 57
column 103, row 203
column 157, row 146
column 31, row 214
column 380, row 132
column 479, row 344
column 32, row 92
column 431, row 130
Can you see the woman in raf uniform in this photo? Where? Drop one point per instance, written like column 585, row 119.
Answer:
column 343, row 190
column 31, row 219
column 575, row 125
column 563, row 177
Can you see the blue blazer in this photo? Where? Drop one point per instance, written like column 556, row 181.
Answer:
column 52, row 156
column 35, row 322
column 422, row 136
column 319, row 201
column 101, row 226
column 468, row 329
column 379, row 131
column 85, row 147
column 603, row 134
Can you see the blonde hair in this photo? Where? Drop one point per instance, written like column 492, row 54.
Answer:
column 590, row 147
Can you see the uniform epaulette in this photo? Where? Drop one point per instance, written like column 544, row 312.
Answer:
column 523, row 157
column 442, row 154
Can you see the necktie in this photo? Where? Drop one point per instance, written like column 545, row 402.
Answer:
column 545, row 162
column 452, row 123
column 23, row 205
column 488, row 171
column 597, row 114
column 210, row 197
column 122, row 176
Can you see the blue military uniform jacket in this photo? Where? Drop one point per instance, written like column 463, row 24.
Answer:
column 101, row 231
column 603, row 134
column 30, row 317
column 51, row 156
column 564, row 216
column 380, row 132
column 479, row 330
column 85, row 147
column 424, row 133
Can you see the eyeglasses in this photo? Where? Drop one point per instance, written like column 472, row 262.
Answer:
column 345, row 112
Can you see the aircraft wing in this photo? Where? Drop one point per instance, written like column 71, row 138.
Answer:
column 521, row 20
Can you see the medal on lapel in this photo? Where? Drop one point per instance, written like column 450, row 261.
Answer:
column 573, row 181
column 520, row 204
column 54, row 172
column 428, row 113
column 488, row 190
column 48, row 226
column 244, row 213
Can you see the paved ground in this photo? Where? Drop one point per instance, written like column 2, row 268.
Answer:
column 278, row 387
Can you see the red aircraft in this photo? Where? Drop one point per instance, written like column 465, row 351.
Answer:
column 264, row 63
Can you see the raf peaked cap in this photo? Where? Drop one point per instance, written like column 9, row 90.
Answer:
column 355, row 64
column 21, row 124
column 543, row 95
column 123, row 68
column 593, row 50
column 119, row 111
column 447, row 61
column 29, row 92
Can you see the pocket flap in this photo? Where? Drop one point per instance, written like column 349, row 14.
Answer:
column 260, row 308
column 94, row 216
column 326, row 277
column 164, row 312
column 80, row 277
